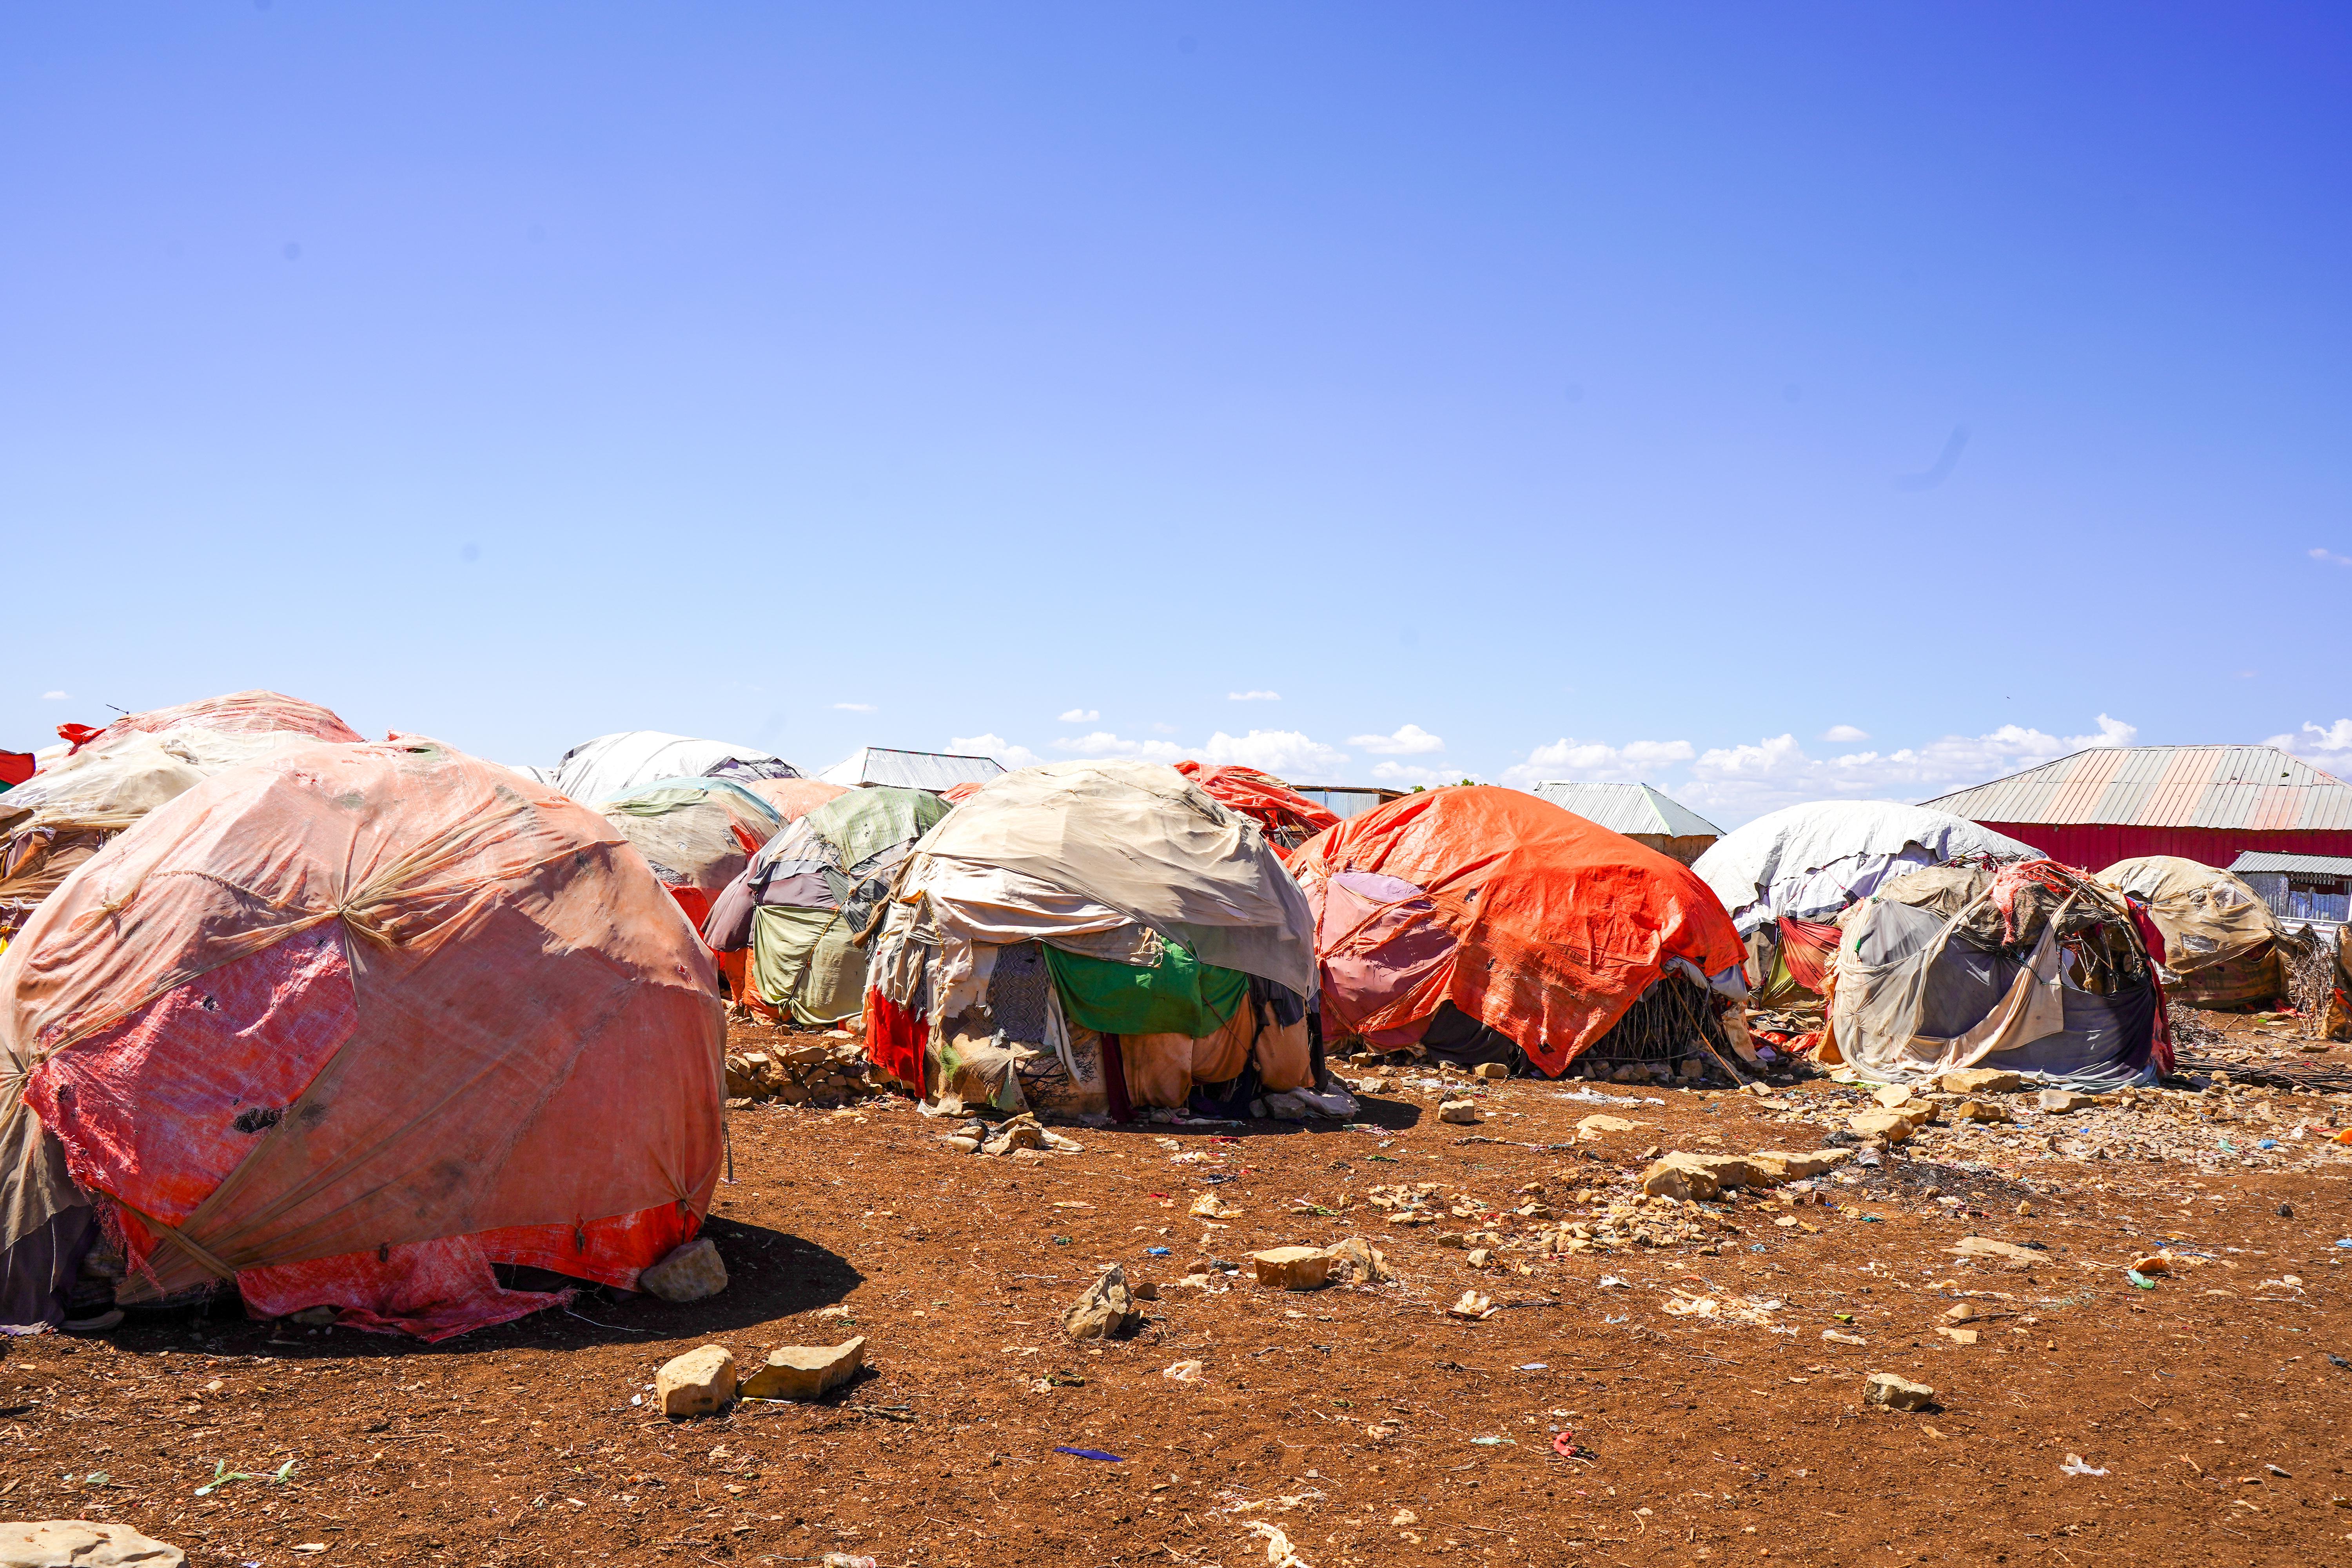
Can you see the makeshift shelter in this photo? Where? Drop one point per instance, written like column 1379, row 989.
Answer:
column 2030, row 966
column 1288, row 818
column 697, row 834
column 610, row 766
column 803, row 899
column 348, row 1026
column 2221, row 940
column 88, row 790
column 870, row 767
column 1482, row 923
column 1093, row 937
column 794, row 798
column 1786, row 876
column 1642, row 813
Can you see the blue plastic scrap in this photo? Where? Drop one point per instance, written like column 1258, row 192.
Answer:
column 1093, row 1454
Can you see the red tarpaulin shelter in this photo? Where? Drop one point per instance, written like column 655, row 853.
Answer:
column 1288, row 817
column 1527, row 918
column 350, row 1023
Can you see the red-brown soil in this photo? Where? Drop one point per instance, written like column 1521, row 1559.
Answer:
column 1363, row 1423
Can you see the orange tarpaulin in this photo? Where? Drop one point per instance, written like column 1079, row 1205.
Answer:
column 1288, row 817
column 794, row 798
column 352, row 1023
column 1543, row 925
column 239, row 712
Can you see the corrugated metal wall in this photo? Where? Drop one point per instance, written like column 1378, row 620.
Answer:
column 2096, row 846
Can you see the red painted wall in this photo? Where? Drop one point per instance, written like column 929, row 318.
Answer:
column 2095, row 846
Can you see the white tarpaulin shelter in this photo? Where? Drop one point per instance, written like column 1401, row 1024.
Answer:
column 1807, row 862
column 611, row 766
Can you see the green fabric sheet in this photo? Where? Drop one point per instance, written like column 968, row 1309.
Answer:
column 802, row 960
column 866, row 820
column 1178, row 996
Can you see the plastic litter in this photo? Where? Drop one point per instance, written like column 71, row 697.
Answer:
column 1092, row 1454
column 2074, row 1466
column 1155, row 1252
column 223, row 1475
column 2138, row 1279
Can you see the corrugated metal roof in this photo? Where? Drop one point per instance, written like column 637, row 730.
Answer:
column 2245, row 788
column 909, row 769
column 2318, row 865
column 1628, row 808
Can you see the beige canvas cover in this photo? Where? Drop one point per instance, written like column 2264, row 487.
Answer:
column 2218, row 932
column 1145, row 841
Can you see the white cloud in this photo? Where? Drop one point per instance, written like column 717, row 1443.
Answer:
column 996, row 746
column 1253, row 696
column 1844, row 734
column 1404, row 773
column 1732, row 784
column 1411, row 740
column 1103, row 743
column 55, row 697
column 1080, row 716
column 1285, row 753
column 855, row 707
column 1592, row 761
column 2331, row 558
column 2325, row 747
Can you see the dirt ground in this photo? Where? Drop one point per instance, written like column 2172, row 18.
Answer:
column 1660, row 1392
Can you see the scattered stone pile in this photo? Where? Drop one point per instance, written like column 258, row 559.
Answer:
column 828, row 1071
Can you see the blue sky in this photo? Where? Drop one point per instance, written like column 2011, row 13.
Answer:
column 1705, row 395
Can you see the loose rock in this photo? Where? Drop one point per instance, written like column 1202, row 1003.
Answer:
column 805, row 1372
column 1356, row 1261
column 1106, row 1311
column 1898, row 1394
column 1293, row 1267
column 689, row 1273
column 1462, row 1111
column 1980, row 1080
column 2060, row 1101
column 700, row 1382
column 79, row 1544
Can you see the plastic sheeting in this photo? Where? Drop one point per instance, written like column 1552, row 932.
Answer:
column 694, row 832
column 1542, row 925
column 352, row 1023
column 803, row 964
column 2036, row 969
column 239, row 712
column 794, row 798
column 1807, row 862
column 2218, row 932
column 65, row 814
column 1084, row 847
column 597, row 770
column 1288, row 819
column 1174, row 996
column 1141, row 839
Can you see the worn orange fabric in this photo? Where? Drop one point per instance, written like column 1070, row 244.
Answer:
column 353, row 999
column 793, row 798
column 1263, row 799
column 1557, row 924
column 238, row 712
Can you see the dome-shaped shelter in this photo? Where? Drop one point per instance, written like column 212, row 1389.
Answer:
column 2220, row 938
column 807, row 895
column 1288, row 817
column 104, row 781
column 348, row 1026
column 611, row 766
column 2031, row 966
column 1476, row 922
column 1094, row 937
column 1787, row 875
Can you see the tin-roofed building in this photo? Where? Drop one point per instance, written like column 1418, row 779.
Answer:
column 1642, row 813
column 2299, row 886
column 2207, row 803
column 933, row 771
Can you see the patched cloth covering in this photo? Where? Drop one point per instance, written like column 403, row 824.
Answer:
column 354, row 1022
